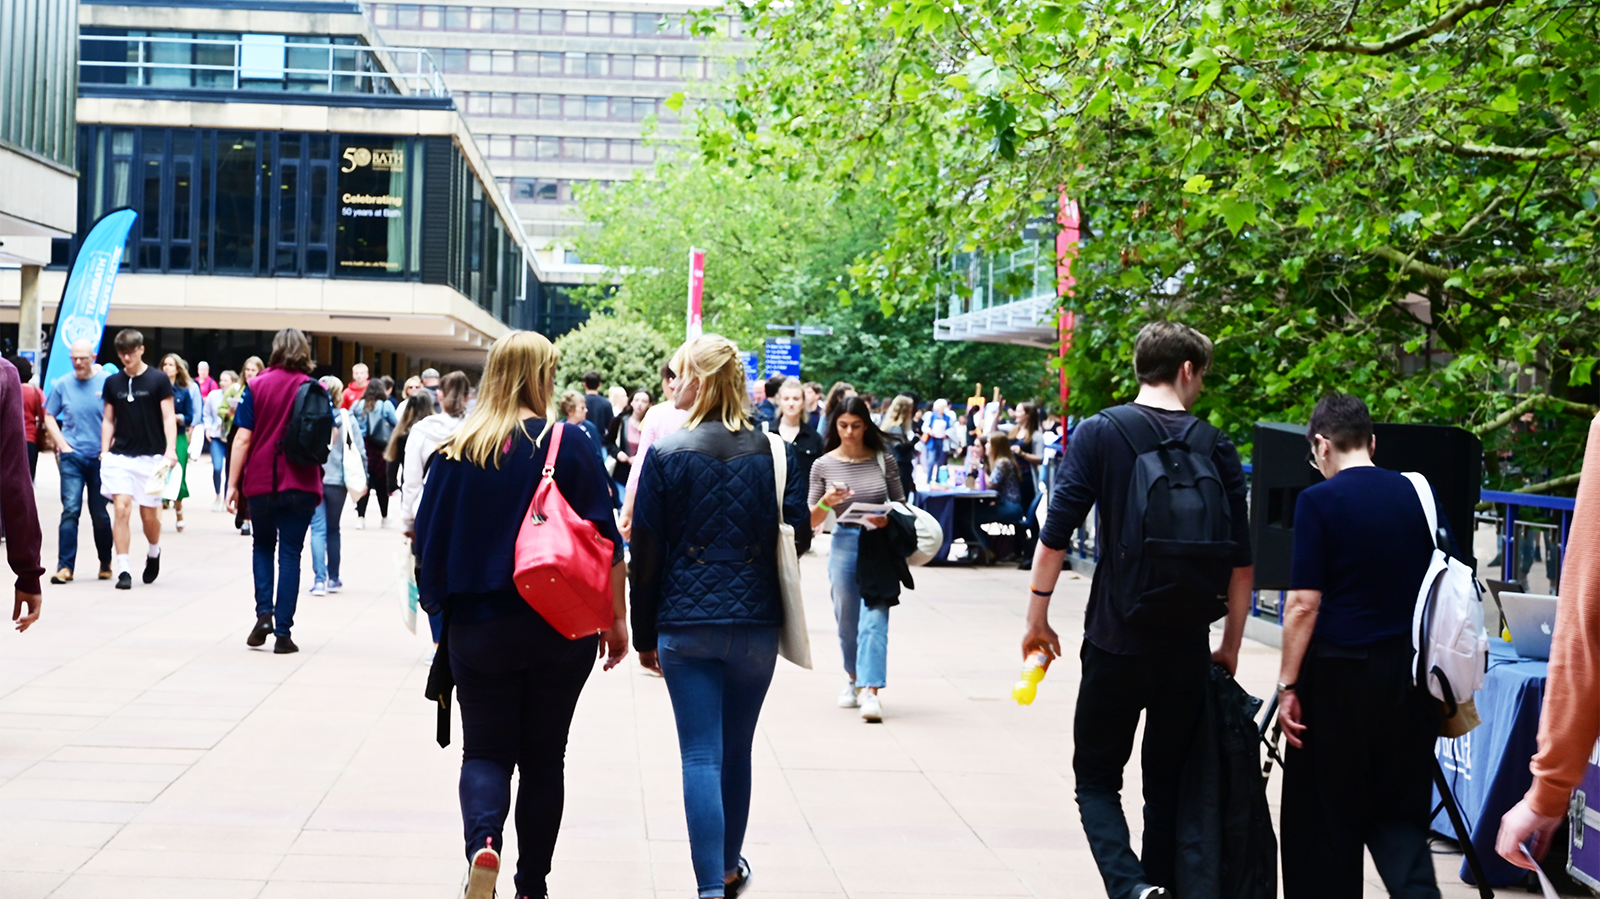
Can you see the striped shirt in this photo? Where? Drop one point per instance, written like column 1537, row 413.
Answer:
column 869, row 483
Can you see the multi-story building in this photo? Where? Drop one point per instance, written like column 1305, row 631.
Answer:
column 559, row 92
column 288, row 168
column 38, row 181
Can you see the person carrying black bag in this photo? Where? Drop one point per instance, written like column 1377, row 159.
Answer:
column 1179, row 562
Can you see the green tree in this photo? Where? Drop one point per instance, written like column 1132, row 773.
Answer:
column 626, row 353
column 1390, row 198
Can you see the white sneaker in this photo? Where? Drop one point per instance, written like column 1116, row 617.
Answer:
column 216, row 504
column 849, row 698
column 871, row 707
column 318, row 588
column 361, row 523
column 385, row 522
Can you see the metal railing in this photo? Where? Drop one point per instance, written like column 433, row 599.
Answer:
column 1002, row 278
column 262, row 62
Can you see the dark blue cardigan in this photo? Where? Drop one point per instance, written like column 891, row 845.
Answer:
column 468, row 519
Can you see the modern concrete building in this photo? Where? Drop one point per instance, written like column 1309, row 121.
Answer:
column 38, row 183
column 560, row 92
column 288, row 168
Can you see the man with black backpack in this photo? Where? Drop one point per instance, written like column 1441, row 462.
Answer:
column 284, row 431
column 1174, row 557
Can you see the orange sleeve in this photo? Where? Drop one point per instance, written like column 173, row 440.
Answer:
column 1571, row 717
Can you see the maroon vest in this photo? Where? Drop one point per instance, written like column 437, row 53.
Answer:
column 268, row 470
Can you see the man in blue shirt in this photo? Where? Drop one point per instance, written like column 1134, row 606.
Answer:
column 74, row 411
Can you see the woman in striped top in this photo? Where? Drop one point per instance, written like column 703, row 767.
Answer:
column 855, row 468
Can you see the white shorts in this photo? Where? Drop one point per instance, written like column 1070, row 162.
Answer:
column 127, row 475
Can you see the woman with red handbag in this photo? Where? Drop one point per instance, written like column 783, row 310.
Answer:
column 707, row 603
column 519, row 550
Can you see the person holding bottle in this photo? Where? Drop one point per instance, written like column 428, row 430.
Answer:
column 855, row 467
column 707, row 610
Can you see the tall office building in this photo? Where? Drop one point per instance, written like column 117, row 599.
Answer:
column 38, row 181
column 287, row 169
column 558, row 91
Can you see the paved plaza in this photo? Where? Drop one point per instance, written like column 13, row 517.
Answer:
column 146, row 752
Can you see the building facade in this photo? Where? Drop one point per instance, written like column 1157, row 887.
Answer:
column 289, row 168
column 38, row 181
column 564, row 93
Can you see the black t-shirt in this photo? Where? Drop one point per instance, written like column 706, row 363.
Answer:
column 135, row 405
column 600, row 413
column 1362, row 539
column 1095, row 474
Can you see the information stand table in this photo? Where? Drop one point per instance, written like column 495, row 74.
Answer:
column 942, row 504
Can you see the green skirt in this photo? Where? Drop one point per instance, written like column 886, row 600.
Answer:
column 183, row 465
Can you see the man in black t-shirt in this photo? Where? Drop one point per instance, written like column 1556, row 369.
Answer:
column 1127, row 668
column 598, row 407
column 137, row 437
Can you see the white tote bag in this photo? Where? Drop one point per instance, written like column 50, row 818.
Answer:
column 794, row 643
column 355, row 474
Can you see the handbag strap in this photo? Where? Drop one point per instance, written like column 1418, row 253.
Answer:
column 780, row 469
column 553, row 451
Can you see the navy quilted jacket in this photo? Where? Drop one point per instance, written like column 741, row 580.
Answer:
column 705, row 531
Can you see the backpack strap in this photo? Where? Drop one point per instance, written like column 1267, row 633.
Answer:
column 1134, row 427
column 1425, row 495
column 1202, row 438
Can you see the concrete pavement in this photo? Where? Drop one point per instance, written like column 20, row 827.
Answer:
column 145, row 751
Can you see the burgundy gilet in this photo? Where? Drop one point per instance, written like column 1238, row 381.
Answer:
column 268, row 470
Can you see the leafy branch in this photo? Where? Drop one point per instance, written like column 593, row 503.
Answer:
column 1407, row 38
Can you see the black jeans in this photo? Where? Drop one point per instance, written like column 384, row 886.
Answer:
column 377, row 478
column 1365, row 776
column 1170, row 689
column 517, row 681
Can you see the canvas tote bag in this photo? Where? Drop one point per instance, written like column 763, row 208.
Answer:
column 794, row 643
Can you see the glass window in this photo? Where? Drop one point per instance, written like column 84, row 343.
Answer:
column 528, row 21
column 622, row 66
column 645, row 23
column 577, row 22
column 236, row 201
column 549, row 63
column 454, row 60
column 379, row 13
column 575, row 63
column 672, row 26
column 594, row 107
column 408, row 15
column 480, row 61
column 500, row 146
column 599, row 65
column 316, row 220
column 644, row 67
column 527, row 106
column 620, row 109
column 501, row 105
column 643, row 108
column 182, row 197
column 594, row 149
column 505, row 20
column 600, row 23
column 550, row 21
column 505, row 62
column 549, row 106
column 526, row 147
column 456, row 18
column 431, row 16
column 547, row 191
column 288, row 218
column 549, row 147
column 572, row 107
column 571, row 148
column 671, row 66
column 564, row 194
column 372, row 193
column 521, row 189
column 474, row 103
column 642, row 152
column 481, row 17
column 620, row 150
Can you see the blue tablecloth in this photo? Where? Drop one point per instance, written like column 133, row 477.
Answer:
column 1488, row 768
column 941, row 504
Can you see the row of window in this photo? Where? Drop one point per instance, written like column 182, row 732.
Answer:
column 544, row 190
column 503, row 20
column 580, row 65
column 582, row 149
column 563, row 106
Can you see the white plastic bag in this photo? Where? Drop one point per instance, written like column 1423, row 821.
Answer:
column 409, row 604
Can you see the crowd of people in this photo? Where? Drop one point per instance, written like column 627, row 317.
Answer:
column 693, row 484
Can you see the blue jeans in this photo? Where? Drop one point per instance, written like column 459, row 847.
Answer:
column 278, row 524
column 717, row 676
column 219, row 462
column 80, row 473
column 325, row 533
column 863, row 630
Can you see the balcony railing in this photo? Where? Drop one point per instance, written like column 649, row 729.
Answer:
column 258, row 62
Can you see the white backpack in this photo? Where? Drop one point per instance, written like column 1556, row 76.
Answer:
column 1449, row 645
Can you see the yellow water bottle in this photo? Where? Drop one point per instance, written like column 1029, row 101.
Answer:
column 1032, row 673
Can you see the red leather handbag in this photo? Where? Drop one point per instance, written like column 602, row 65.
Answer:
column 563, row 563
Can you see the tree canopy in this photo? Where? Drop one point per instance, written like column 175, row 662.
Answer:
column 1396, row 199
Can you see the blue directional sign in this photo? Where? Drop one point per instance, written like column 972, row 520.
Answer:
column 751, row 365
column 783, row 357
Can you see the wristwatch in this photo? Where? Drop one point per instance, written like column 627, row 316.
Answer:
column 1286, row 688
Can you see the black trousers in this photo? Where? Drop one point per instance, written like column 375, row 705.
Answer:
column 1170, row 689
column 517, row 681
column 1364, row 777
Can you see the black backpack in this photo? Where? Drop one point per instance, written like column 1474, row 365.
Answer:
column 1175, row 553
column 308, row 435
